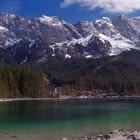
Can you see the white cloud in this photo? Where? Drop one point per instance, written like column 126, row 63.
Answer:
column 111, row 6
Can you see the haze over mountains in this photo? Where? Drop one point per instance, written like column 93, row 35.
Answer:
column 29, row 41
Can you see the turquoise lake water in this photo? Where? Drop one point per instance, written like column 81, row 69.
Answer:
column 75, row 117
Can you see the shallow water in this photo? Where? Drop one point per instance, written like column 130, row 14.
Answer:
column 68, row 118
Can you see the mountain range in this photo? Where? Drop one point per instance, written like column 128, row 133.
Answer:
column 28, row 41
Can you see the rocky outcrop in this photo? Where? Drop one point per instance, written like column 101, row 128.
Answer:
column 116, row 135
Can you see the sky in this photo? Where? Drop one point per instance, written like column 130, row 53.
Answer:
column 71, row 10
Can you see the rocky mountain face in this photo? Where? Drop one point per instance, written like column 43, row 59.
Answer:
column 129, row 28
column 32, row 40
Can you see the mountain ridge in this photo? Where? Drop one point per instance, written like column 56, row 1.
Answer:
column 37, row 38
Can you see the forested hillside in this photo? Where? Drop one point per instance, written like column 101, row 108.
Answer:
column 17, row 81
column 113, row 74
column 120, row 74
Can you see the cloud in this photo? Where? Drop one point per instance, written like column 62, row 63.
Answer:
column 110, row 6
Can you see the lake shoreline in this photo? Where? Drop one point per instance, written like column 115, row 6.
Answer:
column 29, row 99
column 111, row 135
column 69, row 98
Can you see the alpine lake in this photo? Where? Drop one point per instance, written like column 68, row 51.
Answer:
column 58, row 119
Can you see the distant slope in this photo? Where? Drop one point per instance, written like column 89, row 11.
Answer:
column 6, row 58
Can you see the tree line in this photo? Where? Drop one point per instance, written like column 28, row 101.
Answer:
column 17, row 81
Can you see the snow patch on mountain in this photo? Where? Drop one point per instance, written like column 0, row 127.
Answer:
column 88, row 56
column 3, row 29
column 67, row 56
column 10, row 42
column 118, row 45
column 82, row 41
column 24, row 61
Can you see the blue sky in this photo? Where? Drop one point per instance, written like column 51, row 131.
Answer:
column 70, row 10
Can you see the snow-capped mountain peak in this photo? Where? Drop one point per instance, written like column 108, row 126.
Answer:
column 52, row 21
column 35, row 39
column 86, row 28
column 103, row 21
